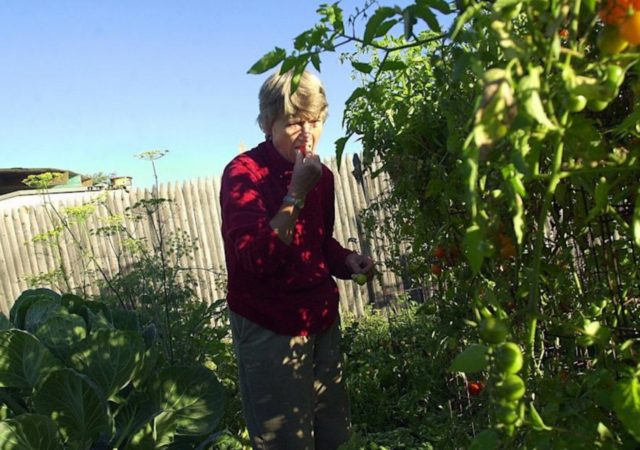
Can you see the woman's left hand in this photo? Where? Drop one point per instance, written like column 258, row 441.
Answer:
column 357, row 263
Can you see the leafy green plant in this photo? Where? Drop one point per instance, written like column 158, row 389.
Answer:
column 512, row 141
column 79, row 374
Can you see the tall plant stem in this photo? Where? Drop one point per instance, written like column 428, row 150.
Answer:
column 534, row 299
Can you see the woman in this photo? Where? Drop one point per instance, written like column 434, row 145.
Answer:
column 277, row 222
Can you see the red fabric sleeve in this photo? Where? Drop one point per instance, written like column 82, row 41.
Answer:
column 246, row 221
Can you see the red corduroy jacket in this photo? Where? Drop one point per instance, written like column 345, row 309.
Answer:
column 288, row 289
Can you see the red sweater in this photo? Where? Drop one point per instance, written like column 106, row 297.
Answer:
column 287, row 289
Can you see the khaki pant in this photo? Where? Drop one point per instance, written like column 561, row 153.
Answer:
column 293, row 396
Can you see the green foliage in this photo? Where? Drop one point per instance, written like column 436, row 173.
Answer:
column 101, row 387
column 533, row 197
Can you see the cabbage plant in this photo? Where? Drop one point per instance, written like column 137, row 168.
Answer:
column 78, row 374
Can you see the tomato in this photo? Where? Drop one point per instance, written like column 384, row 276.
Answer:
column 474, row 389
column 616, row 11
column 597, row 105
column 610, row 41
column 615, row 76
column 506, row 415
column 493, row 331
column 508, row 251
column 436, row 269
column 440, row 253
column 512, row 388
column 630, row 29
column 575, row 103
column 359, row 278
column 508, row 358
column 564, row 33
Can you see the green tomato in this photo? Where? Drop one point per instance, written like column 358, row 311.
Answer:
column 508, row 358
column 610, row 41
column 597, row 105
column 506, row 415
column 359, row 278
column 493, row 331
column 615, row 76
column 510, row 389
column 575, row 103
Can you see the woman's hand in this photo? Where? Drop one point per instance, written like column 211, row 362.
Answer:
column 307, row 170
column 357, row 263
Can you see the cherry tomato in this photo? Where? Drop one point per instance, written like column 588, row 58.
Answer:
column 610, row 41
column 630, row 29
column 597, row 105
column 436, row 269
column 474, row 388
column 564, row 33
column 508, row 251
column 575, row 103
column 615, row 76
column 440, row 253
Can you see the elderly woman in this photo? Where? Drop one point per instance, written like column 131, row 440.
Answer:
column 277, row 221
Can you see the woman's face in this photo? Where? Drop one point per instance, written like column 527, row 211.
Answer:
column 291, row 132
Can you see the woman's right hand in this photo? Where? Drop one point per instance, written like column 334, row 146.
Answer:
column 307, row 170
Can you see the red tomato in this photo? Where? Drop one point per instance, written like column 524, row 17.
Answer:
column 474, row 388
column 436, row 269
column 440, row 253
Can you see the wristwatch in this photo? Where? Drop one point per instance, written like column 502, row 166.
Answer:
column 296, row 202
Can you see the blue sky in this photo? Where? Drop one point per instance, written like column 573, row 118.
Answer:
column 86, row 84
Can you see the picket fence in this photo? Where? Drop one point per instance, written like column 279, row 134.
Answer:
column 194, row 209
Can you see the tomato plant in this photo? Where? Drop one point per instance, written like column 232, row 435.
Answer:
column 534, row 134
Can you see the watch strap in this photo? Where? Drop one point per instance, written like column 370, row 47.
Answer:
column 296, row 202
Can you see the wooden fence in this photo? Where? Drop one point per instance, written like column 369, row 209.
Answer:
column 194, row 209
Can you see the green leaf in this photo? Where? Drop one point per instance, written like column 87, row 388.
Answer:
column 391, row 64
column 461, row 20
column 5, row 324
column 536, row 420
column 362, row 67
column 76, row 404
column 472, row 244
column 485, row 440
column 440, row 5
column 24, row 302
column 356, row 94
column 134, row 414
column 60, row 333
column 24, row 361
column 110, row 358
column 301, row 65
column 288, row 63
column 315, row 60
column 340, row 144
column 626, row 404
column 429, row 17
column 40, row 312
column 472, row 359
column 125, row 320
column 268, row 61
column 194, row 396
column 29, row 432
column 531, row 101
column 378, row 17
